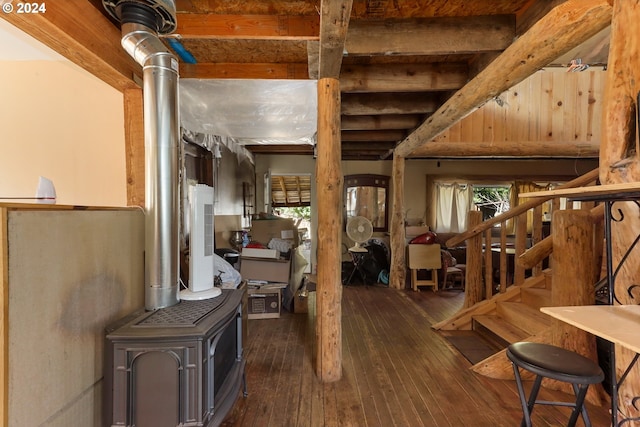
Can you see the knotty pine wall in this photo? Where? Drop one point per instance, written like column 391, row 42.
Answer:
column 551, row 105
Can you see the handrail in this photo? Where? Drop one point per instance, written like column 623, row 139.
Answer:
column 577, row 182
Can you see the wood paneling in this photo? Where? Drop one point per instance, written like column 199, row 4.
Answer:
column 553, row 112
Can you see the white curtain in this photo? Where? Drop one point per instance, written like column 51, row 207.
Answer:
column 453, row 201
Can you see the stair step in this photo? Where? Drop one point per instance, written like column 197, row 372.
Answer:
column 529, row 319
column 500, row 328
column 536, row 297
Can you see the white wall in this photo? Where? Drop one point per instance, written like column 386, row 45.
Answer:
column 60, row 122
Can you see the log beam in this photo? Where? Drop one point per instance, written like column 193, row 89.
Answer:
column 134, row 146
column 403, row 77
column 509, row 149
column 390, row 121
column 564, row 27
column 93, row 42
column 334, row 21
column 398, row 273
column 329, row 189
column 446, row 36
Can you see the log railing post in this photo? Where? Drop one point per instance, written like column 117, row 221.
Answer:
column 573, row 279
column 329, row 184
column 473, row 281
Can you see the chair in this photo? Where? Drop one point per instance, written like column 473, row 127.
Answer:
column 548, row 361
column 453, row 278
column 424, row 257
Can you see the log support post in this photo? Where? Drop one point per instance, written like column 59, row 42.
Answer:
column 620, row 163
column 329, row 189
column 398, row 274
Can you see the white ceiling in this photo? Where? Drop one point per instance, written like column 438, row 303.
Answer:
column 16, row 45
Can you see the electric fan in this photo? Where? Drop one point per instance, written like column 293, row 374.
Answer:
column 359, row 229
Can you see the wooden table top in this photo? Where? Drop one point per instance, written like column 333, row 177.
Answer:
column 616, row 323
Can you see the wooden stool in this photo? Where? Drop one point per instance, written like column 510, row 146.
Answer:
column 556, row 363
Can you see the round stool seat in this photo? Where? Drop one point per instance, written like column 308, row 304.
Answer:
column 555, row 362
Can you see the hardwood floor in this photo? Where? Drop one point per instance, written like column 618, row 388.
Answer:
column 397, row 371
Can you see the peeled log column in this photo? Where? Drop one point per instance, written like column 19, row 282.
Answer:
column 619, row 163
column 573, row 281
column 329, row 190
column 398, row 274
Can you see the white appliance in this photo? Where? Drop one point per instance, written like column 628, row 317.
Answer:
column 201, row 245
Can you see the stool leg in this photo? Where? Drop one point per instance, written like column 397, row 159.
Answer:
column 581, row 393
column 526, row 407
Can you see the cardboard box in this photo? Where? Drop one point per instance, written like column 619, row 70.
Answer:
column 268, row 270
column 260, row 253
column 264, row 303
column 263, row 230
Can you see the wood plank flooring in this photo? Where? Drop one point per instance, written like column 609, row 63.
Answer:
column 397, row 371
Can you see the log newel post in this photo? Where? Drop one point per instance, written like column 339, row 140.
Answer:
column 573, row 281
column 329, row 189
column 398, row 274
column 474, row 287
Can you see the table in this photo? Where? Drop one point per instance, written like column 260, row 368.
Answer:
column 616, row 323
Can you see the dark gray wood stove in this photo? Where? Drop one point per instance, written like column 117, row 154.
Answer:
column 178, row 366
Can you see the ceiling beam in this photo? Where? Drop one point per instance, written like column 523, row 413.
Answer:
column 244, row 71
column 510, row 149
column 277, row 27
column 334, row 21
column 564, row 27
column 403, row 77
column 377, row 135
column 390, row 121
column 430, row 36
column 80, row 33
column 355, row 104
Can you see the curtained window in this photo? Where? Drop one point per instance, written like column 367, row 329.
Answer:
column 453, row 201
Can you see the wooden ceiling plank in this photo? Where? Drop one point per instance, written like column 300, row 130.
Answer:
column 334, row 21
column 403, row 77
column 562, row 28
column 80, row 33
column 430, row 36
column 214, row 26
column 243, row 71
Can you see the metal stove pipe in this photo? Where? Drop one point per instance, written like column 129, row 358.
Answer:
column 141, row 21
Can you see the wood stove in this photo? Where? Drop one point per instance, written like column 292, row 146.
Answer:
column 177, row 366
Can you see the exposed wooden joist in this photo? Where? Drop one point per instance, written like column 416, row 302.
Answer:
column 334, row 21
column 80, row 33
column 280, row 149
column 430, row 36
column 368, row 145
column 210, row 26
column 390, row 121
column 403, row 77
column 508, row 149
column 244, row 71
column 388, row 103
column 561, row 29
column 380, row 135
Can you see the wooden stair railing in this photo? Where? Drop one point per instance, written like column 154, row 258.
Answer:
column 479, row 231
